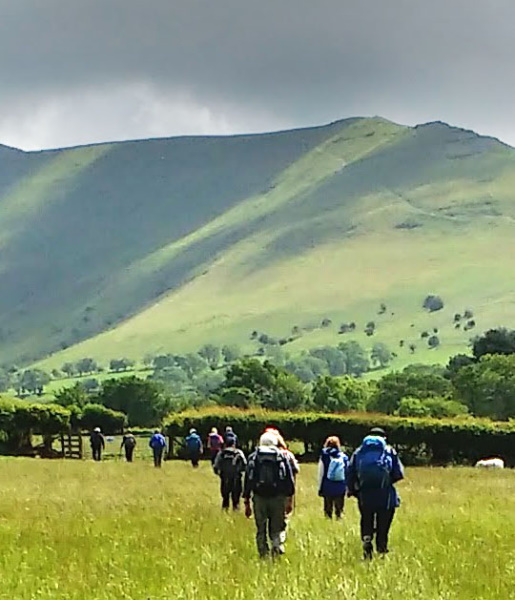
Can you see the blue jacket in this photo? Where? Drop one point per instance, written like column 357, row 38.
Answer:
column 381, row 498
column 193, row 442
column 325, row 486
column 157, row 441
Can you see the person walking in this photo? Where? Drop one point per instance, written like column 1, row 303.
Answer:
column 215, row 443
column 98, row 443
column 373, row 470
column 158, row 445
column 230, row 438
column 128, row 444
column 229, row 465
column 332, row 475
column 269, row 482
column 194, row 447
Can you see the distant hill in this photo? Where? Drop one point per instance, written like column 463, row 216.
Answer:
column 162, row 245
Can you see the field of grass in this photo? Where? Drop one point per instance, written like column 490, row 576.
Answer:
column 76, row 530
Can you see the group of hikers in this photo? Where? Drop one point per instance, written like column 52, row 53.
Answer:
column 157, row 444
column 266, row 481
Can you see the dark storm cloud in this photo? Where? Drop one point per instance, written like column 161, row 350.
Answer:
column 78, row 71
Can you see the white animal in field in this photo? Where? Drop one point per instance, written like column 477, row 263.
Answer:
column 490, row 463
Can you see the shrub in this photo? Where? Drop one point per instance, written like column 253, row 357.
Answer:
column 433, row 303
column 96, row 415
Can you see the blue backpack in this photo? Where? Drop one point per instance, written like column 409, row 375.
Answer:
column 373, row 464
column 336, row 468
column 193, row 442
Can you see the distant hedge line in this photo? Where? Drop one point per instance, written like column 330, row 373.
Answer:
column 418, row 440
column 19, row 420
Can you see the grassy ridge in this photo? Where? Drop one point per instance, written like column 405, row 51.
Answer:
column 78, row 529
column 207, row 239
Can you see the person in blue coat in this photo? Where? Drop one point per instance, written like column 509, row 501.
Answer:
column 332, row 477
column 194, row 447
column 373, row 470
column 158, row 444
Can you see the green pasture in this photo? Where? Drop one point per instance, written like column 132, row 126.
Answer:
column 77, row 530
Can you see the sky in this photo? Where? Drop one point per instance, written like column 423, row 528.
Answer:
column 76, row 72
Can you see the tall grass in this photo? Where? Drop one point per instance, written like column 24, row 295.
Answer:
column 80, row 530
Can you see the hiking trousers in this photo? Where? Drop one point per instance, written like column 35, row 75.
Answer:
column 129, row 451
column 158, row 456
column 378, row 522
column 231, row 489
column 195, row 459
column 334, row 503
column 97, row 452
column 269, row 514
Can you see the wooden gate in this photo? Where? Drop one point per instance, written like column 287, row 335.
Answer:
column 71, row 445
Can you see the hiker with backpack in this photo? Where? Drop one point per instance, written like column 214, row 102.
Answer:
column 215, row 443
column 97, row 443
column 332, row 476
column 230, row 437
column 229, row 465
column 128, row 444
column 194, row 447
column 269, row 482
column 158, row 445
column 373, row 470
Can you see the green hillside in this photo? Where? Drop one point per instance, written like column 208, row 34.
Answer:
column 208, row 239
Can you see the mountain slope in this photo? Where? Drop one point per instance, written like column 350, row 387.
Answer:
column 208, row 239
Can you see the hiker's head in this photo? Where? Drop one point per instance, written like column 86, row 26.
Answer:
column 230, row 443
column 214, row 430
column 228, row 429
column 280, row 440
column 193, row 430
column 156, row 431
column 378, row 431
column 97, row 430
column 269, row 439
column 332, row 441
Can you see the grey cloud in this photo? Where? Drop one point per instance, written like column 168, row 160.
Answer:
column 250, row 65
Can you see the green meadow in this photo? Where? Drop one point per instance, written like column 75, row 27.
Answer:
column 76, row 530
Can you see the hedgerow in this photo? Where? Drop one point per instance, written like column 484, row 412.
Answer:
column 418, row 440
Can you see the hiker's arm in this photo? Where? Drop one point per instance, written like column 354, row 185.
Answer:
column 320, row 475
column 397, row 468
column 352, row 480
column 216, row 464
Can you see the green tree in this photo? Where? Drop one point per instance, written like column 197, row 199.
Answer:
column 69, row 369
column 231, row 353
column 381, row 356
column 143, row 401
column 86, row 365
column 393, row 387
column 72, row 396
column 335, row 360
column 307, row 368
column 34, row 381
column 211, row 354
column 494, row 341
column 356, row 360
column 191, row 364
column 5, row 380
column 97, row 415
column 488, row 387
column 331, row 394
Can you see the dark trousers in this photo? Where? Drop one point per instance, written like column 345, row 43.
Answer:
column 334, row 503
column 195, row 458
column 214, row 454
column 231, row 490
column 97, row 452
column 376, row 522
column 129, row 451
column 158, row 456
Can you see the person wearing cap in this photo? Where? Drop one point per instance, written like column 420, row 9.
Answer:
column 97, row 442
column 128, row 444
column 269, row 482
column 373, row 470
column 230, row 438
column 194, row 447
column 158, row 445
column 215, row 443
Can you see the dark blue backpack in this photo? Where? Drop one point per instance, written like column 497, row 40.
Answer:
column 373, row 464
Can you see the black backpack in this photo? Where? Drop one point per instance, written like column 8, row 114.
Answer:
column 228, row 463
column 271, row 474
